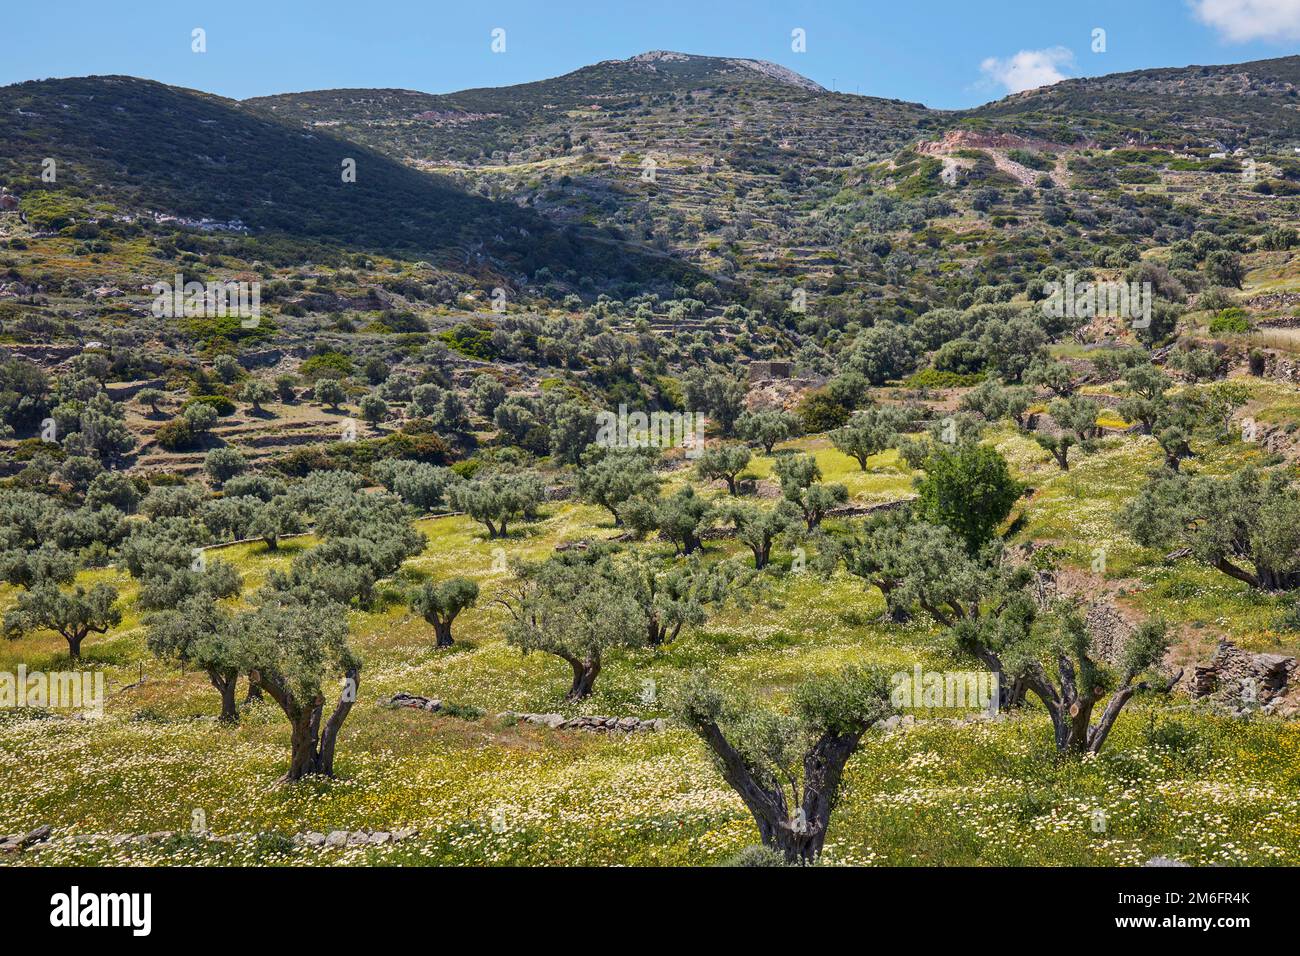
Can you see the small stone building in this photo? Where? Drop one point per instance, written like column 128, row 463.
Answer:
column 766, row 371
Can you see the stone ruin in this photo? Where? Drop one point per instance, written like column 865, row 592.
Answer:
column 1241, row 681
column 763, row 371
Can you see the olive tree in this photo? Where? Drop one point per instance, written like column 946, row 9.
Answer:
column 562, row 607
column 767, row 426
column 799, row 476
column 994, row 401
column 682, row 517
column 198, row 633
column 613, row 476
column 366, row 538
column 373, row 408
column 1055, row 376
column 275, row 519
column 758, row 529
column 718, row 394
column 439, row 604
column 48, row 563
column 487, row 393
column 73, row 613
column 290, row 647
column 990, row 613
column 573, row 428
column 497, row 499
column 1145, row 400
column 224, row 463
column 256, row 392
column 150, row 398
column 1076, row 418
column 330, row 392
column 168, row 586
column 788, row 767
column 419, row 484
column 1246, row 525
column 870, row 432
column 723, row 462
column 1015, row 640
column 674, row 596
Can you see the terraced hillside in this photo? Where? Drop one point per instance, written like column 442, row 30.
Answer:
column 676, row 392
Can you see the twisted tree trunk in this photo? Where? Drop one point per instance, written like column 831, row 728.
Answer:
column 585, row 671
column 799, row 839
column 225, row 682
column 311, row 748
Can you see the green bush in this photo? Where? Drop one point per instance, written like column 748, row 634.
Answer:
column 820, row 413
column 326, row 365
column 470, row 341
column 175, row 435
column 1231, row 321
column 218, row 403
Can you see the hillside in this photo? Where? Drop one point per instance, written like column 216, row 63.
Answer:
column 1234, row 105
column 618, row 445
column 138, row 147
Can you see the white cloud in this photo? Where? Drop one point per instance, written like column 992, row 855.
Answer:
column 1244, row 20
column 1029, row 69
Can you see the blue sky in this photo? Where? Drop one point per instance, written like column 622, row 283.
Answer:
column 944, row 53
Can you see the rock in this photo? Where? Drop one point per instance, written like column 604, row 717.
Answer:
column 337, row 838
column 1164, row 861
column 588, row 723
column 381, row 838
column 415, row 701
column 405, row 834
column 312, row 838
column 357, row 838
column 39, row 835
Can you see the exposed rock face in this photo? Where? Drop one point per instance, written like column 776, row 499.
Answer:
column 1241, row 681
column 967, row 139
column 591, row 724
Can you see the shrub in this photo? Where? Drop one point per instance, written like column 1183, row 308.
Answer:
column 218, row 403
column 1231, row 321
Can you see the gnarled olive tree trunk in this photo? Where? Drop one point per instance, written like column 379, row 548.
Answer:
column 311, row 746
column 224, row 680
column 1071, row 706
column 799, row 838
column 585, row 672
